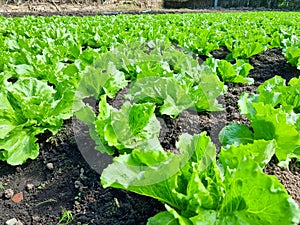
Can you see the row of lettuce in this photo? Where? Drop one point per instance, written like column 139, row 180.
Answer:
column 50, row 65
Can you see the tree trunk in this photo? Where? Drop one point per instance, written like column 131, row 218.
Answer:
column 216, row 4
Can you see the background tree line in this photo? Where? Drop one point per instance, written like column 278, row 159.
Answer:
column 270, row 4
column 193, row 4
column 275, row 4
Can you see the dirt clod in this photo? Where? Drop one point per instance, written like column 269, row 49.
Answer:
column 17, row 198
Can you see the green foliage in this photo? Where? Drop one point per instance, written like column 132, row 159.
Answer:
column 176, row 94
column 272, row 112
column 50, row 65
column 196, row 190
column 66, row 217
column 292, row 54
column 167, row 93
column 133, row 126
column 227, row 72
column 28, row 107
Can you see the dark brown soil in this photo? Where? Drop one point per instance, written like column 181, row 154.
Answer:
column 271, row 63
column 73, row 185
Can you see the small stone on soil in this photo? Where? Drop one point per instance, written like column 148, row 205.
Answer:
column 29, row 187
column 50, row 166
column 8, row 193
column 36, row 218
column 13, row 221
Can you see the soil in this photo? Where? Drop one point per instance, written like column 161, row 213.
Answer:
column 60, row 179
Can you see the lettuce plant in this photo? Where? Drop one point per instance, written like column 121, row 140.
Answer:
column 166, row 92
column 29, row 107
column 198, row 189
column 273, row 114
column 236, row 73
column 132, row 126
column 292, row 54
column 175, row 94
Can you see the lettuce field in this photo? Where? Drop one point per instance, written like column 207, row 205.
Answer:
column 178, row 119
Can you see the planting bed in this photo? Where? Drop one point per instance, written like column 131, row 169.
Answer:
column 72, row 185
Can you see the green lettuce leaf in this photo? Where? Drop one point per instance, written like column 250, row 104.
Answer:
column 182, row 63
column 164, row 218
column 235, row 134
column 275, row 92
column 245, row 49
column 270, row 123
column 244, row 185
column 291, row 95
column 20, row 145
column 270, row 92
column 159, row 174
column 205, row 88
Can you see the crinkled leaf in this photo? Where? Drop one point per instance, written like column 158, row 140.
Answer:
column 242, row 68
column 158, row 174
column 8, row 118
column 247, row 184
column 228, row 72
column 156, row 180
column 35, row 98
column 275, row 92
column 271, row 115
column 291, row 95
column 292, row 54
column 246, row 49
column 260, row 151
column 197, row 193
column 181, row 62
column 270, row 91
